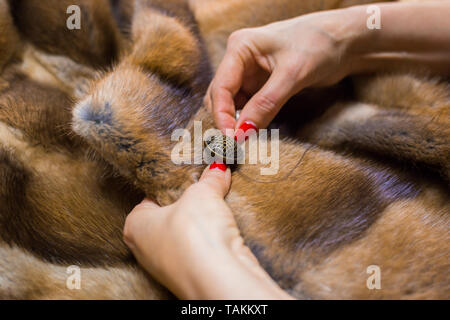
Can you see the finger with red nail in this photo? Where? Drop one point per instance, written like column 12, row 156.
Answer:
column 246, row 129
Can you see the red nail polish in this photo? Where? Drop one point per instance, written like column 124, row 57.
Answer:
column 216, row 165
column 242, row 133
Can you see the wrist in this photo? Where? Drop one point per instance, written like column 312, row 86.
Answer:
column 355, row 37
column 347, row 31
column 225, row 275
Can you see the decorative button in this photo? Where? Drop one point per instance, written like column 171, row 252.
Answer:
column 223, row 148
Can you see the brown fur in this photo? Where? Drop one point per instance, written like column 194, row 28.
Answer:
column 96, row 44
column 9, row 38
column 348, row 204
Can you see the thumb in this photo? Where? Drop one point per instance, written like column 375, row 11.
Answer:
column 217, row 178
column 262, row 108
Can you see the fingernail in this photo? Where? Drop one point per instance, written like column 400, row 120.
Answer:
column 242, row 133
column 216, row 165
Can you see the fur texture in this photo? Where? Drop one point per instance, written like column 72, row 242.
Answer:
column 372, row 189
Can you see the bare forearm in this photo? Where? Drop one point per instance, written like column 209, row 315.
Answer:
column 226, row 277
column 412, row 36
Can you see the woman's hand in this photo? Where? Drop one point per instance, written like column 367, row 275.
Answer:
column 194, row 248
column 264, row 67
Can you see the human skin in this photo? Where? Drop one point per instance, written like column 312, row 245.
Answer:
column 194, row 248
column 263, row 67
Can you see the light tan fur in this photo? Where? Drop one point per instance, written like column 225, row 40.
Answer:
column 372, row 188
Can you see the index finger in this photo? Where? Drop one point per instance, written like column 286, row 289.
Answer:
column 225, row 85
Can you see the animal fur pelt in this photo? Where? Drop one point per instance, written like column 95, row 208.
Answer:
column 86, row 118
